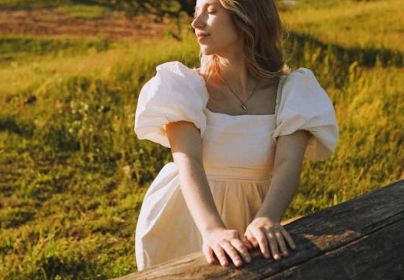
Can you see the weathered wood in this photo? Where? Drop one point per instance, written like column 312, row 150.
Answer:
column 359, row 239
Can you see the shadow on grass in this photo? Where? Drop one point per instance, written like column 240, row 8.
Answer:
column 368, row 57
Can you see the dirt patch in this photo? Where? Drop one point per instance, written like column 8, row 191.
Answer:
column 49, row 23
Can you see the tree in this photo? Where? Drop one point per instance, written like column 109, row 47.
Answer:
column 159, row 8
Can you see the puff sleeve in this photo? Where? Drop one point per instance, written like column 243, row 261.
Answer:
column 304, row 105
column 176, row 93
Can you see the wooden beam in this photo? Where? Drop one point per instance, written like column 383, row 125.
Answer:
column 360, row 239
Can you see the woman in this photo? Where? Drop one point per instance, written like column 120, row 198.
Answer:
column 239, row 128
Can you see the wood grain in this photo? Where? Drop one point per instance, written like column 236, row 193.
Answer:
column 360, row 239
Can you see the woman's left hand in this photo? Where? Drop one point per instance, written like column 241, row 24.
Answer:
column 270, row 237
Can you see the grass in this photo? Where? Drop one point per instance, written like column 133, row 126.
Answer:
column 359, row 24
column 73, row 175
column 70, row 164
column 27, row 50
column 86, row 9
column 31, row 4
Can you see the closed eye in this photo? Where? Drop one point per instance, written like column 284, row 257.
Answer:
column 207, row 8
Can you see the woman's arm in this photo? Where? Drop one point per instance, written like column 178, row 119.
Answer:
column 265, row 230
column 186, row 147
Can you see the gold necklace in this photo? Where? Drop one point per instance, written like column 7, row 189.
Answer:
column 243, row 103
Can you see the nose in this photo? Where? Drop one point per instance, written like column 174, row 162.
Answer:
column 197, row 22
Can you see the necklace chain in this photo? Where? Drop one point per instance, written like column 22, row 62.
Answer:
column 243, row 103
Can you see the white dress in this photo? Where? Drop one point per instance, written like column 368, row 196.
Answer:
column 238, row 153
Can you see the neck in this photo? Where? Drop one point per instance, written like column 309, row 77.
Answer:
column 235, row 73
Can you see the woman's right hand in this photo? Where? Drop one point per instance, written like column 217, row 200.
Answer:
column 186, row 147
column 219, row 242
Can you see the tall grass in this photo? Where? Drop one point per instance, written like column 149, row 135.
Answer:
column 79, row 8
column 72, row 172
column 348, row 23
column 73, row 175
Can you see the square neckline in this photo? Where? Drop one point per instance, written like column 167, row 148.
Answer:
column 239, row 116
column 282, row 79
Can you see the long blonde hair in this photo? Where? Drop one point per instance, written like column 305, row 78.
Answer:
column 260, row 24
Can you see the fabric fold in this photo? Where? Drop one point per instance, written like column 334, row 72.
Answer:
column 176, row 93
column 304, row 105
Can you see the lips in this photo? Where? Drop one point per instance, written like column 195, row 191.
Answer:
column 202, row 36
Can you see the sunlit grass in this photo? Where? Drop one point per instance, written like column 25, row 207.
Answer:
column 369, row 153
column 84, row 11
column 364, row 24
column 76, row 5
column 73, row 174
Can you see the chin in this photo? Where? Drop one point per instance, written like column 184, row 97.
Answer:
column 205, row 50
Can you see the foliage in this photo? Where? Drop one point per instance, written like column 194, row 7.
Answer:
column 41, row 4
column 160, row 8
column 73, row 174
column 84, row 11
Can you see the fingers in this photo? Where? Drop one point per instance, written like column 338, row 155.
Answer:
column 242, row 249
column 273, row 245
column 228, row 246
column 232, row 253
column 247, row 243
column 289, row 239
column 281, row 245
column 271, row 241
column 220, row 255
column 262, row 243
column 235, row 250
column 208, row 252
column 252, row 240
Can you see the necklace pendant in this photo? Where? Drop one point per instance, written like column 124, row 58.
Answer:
column 243, row 106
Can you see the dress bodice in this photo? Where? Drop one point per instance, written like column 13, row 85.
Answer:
column 234, row 149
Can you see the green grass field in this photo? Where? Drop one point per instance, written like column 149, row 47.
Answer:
column 89, row 9
column 73, row 174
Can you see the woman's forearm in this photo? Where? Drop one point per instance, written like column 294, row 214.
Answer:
column 286, row 175
column 265, row 231
column 186, row 147
column 280, row 194
column 197, row 194
column 218, row 242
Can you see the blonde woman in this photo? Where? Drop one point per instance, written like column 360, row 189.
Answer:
column 238, row 128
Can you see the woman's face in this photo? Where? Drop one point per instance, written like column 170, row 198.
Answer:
column 215, row 30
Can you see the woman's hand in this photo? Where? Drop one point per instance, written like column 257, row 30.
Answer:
column 221, row 242
column 270, row 237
